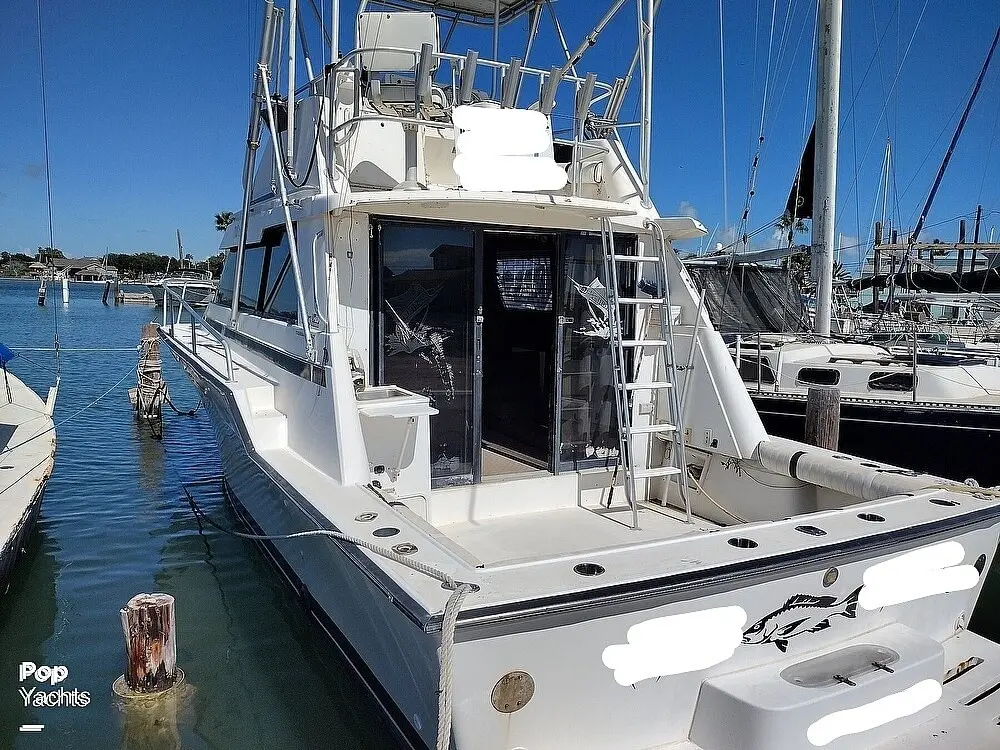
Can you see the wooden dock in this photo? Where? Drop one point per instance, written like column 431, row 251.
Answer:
column 140, row 298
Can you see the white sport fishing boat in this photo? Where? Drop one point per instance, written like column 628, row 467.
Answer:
column 539, row 507
column 198, row 286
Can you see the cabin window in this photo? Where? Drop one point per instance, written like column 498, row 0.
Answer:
column 750, row 372
column 890, row 381
column 227, row 282
column 268, row 281
column 280, row 295
column 819, row 376
column 250, row 278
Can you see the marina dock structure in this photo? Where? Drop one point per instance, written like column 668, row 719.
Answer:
column 531, row 503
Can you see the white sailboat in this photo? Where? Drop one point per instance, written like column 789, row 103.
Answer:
column 533, row 506
column 27, row 456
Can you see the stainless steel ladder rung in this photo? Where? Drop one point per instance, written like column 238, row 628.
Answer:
column 657, row 471
column 650, row 429
column 652, row 385
column 637, row 258
column 644, row 342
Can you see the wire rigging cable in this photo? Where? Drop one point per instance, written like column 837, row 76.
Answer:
column 48, row 174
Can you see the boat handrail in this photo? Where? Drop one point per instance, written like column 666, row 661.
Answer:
column 196, row 318
column 344, row 64
column 597, row 91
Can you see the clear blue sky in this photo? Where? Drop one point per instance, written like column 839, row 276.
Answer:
column 148, row 105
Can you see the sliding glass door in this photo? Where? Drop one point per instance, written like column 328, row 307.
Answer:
column 425, row 284
column 587, row 427
column 507, row 334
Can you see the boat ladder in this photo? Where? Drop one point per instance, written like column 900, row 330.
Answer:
column 626, row 368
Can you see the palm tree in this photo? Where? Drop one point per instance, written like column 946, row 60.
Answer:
column 840, row 272
column 790, row 226
column 224, row 219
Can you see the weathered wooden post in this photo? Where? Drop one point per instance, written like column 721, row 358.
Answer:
column 153, row 686
column 150, row 390
column 823, row 418
column 150, row 644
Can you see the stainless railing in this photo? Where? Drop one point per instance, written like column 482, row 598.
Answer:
column 197, row 319
column 548, row 83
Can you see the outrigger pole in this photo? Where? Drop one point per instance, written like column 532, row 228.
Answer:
column 272, row 17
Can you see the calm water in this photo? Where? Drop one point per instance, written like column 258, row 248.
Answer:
column 113, row 524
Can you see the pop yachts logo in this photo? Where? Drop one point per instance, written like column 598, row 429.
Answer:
column 36, row 696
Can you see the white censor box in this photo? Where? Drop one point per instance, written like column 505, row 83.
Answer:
column 505, row 150
column 52, row 675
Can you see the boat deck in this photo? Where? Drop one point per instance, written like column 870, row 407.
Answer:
column 521, row 538
column 490, row 533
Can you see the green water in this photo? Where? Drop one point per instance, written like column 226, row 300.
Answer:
column 261, row 673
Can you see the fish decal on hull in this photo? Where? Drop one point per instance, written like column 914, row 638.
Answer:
column 802, row 613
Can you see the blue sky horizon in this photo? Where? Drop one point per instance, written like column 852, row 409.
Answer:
column 147, row 110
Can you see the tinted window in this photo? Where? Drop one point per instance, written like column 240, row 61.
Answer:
column 283, row 302
column 891, row 381
column 277, row 258
column 819, row 376
column 253, row 268
column 749, row 369
column 227, row 281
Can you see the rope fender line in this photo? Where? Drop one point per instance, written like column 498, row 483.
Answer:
column 459, row 591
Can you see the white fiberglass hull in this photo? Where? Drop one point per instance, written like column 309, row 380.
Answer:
column 195, row 293
column 577, row 701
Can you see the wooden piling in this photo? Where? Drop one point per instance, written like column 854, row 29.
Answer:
column 150, row 645
column 150, row 391
column 823, row 418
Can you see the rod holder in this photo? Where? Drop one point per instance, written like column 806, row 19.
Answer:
column 547, row 102
column 511, row 83
column 423, row 83
column 468, row 76
column 616, row 99
column 584, row 95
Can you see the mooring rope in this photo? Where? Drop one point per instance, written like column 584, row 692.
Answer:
column 71, row 417
column 449, row 617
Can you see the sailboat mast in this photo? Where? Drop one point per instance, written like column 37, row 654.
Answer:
column 827, row 124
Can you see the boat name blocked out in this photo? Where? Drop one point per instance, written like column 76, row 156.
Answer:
column 875, row 714
column 693, row 641
column 917, row 574
column 676, row 644
column 505, row 150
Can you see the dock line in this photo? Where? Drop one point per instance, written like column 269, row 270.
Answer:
column 72, row 416
column 449, row 618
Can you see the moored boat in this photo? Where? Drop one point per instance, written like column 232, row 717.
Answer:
column 532, row 504
column 27, row 456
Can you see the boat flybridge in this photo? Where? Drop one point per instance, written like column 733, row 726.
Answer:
column 533, row 505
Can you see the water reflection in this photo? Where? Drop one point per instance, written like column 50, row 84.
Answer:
column 27, row 620
column 240, row 631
